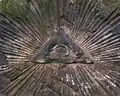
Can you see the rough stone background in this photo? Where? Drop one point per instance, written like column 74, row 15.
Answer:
column 105, row 8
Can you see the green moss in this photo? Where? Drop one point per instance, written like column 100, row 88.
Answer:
column 111, row 4
column 13, row 7
column 16, row 7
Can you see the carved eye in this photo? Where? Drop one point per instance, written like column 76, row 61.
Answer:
column 60, row 51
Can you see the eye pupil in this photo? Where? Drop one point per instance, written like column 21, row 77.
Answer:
column 61, row 49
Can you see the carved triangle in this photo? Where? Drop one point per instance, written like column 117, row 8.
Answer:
column 61, row 48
